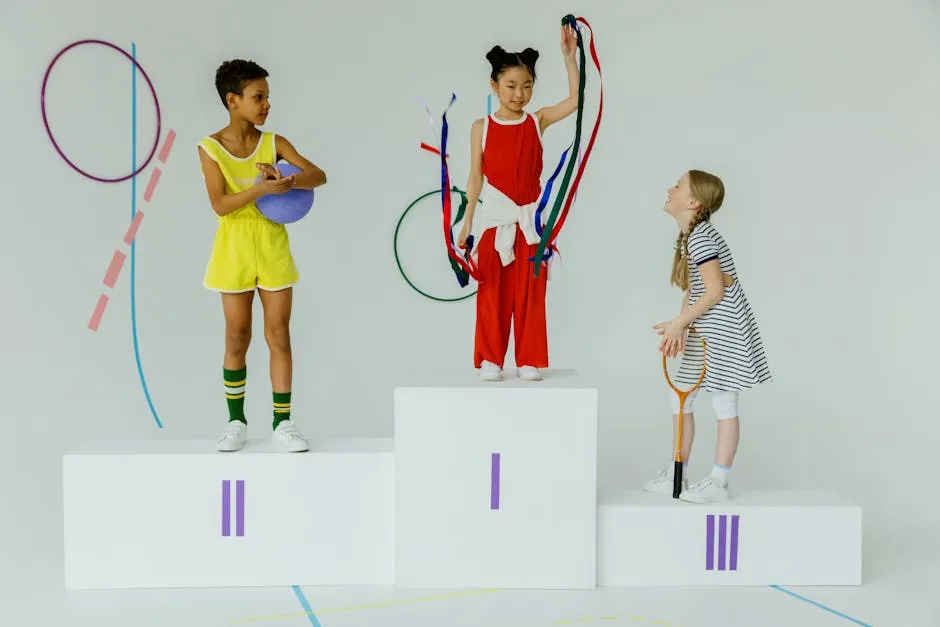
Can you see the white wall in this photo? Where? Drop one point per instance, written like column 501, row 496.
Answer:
column 820, row 117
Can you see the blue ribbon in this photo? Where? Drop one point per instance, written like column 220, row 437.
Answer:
column 543, row 201
column 463, row 277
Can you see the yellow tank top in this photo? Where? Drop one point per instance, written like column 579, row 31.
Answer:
column 241, row 173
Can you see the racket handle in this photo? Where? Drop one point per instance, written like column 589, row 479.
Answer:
column 677, row 480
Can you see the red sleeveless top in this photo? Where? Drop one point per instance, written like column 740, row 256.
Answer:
column 512, row 157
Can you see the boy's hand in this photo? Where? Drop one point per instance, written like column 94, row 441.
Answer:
column 268, row 171
column 277, row 185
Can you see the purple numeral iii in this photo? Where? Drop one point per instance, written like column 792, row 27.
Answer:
column 727, row 551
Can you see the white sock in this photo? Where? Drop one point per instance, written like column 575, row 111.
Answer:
column 720, row 473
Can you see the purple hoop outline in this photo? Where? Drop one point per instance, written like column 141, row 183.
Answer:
column 45, row 121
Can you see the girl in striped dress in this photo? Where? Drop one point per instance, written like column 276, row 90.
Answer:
column 716, row 304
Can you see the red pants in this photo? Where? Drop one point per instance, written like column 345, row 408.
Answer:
column 510, row 295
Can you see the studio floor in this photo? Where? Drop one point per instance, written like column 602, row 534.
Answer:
column 902, row 570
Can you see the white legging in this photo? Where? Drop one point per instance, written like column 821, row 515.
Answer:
column 725, row 404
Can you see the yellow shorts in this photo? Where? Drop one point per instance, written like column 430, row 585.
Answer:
column 250, row 252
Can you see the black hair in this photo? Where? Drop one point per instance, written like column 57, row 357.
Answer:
column 502, row 60
column 232, row 75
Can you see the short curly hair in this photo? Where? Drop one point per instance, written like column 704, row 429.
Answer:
column 232, row 75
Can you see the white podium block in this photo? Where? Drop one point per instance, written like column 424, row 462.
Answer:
column 757, row 538
column 496, row 483
column 157, row 514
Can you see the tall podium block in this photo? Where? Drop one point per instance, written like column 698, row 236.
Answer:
column 156, row 514
column 757, row 538
column 495, row 483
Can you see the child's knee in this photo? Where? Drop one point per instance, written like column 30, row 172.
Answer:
column 687, row 407
column 725, row 404
column 237, row 337
column 278, row 337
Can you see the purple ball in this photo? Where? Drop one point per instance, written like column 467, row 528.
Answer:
column 289, row 206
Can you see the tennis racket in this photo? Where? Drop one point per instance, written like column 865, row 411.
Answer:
column 684, row 373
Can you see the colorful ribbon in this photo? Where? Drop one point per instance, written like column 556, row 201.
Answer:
column 556, row 219
column 463, row 266
column 539, row 229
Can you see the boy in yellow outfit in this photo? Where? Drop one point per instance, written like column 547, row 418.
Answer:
column 250, row 251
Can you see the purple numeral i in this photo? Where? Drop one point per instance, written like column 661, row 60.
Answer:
column 494, row 481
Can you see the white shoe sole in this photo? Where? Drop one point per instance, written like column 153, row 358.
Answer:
column 665, row 489
column 698, row 500
column 293, row 447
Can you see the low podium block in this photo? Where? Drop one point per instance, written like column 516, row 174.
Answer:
column 179, row 514
column 495, row 483
column 758, row 538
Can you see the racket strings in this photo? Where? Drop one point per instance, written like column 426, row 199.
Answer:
column 686, row 369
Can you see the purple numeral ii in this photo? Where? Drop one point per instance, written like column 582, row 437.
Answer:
column 227, row 508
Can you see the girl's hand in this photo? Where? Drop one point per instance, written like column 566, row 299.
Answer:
column 464, row 234
column 674, row 337
column 569, row 41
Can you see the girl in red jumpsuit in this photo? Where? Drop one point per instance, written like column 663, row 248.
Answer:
column 505, row 172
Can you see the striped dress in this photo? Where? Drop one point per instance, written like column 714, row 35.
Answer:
column 734, row 355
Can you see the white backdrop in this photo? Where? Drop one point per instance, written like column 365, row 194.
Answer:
column 820, row 117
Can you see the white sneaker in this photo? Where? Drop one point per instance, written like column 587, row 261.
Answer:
column 530, row 373
column 233, row 437
column 289, row 437
column 662, row 482
column 490, row 371
column 708, row 490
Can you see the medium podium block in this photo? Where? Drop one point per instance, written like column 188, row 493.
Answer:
column 158, row 514
column 757, row 538
column 495, row 483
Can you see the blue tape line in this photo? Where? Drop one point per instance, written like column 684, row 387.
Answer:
column 306, row 605
column 140, row 369
column 821, row 606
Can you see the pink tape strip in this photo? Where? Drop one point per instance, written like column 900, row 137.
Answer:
column 99, row 312
column 117, row 262
column 132, row 229
column 167, row 146
column 152, row 184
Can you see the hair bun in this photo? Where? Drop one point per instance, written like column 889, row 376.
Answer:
column 500, row 60
column 529, row 56
column 495, row 55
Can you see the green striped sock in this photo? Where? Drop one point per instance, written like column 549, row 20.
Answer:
column 281, row 407
column 235, row 393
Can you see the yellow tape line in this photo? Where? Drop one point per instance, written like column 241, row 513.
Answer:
column 632, row 619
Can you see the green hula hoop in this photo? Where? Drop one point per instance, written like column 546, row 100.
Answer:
column 457, row 218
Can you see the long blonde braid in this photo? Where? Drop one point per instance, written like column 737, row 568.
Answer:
column 710, row 192
column 680, row 266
